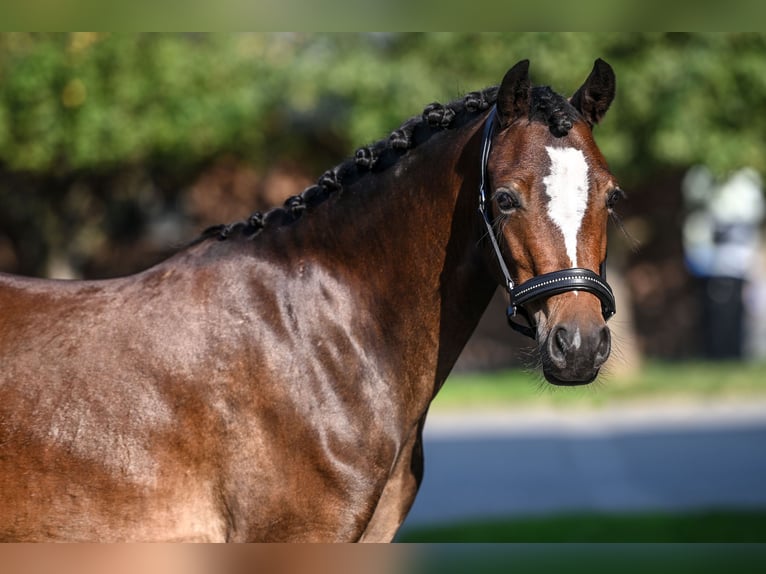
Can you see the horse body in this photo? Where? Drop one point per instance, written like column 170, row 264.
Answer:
column 259, row 362
column 266, row 388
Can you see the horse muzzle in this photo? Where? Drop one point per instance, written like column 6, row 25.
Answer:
column 573, row 354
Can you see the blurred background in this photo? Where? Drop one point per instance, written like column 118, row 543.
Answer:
column 117, row 149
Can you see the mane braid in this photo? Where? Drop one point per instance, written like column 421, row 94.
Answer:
column 547, row 107
column 553, row 110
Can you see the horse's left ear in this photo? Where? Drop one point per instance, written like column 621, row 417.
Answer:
column 595, row 96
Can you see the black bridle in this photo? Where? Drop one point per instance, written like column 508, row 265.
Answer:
column 540, row 286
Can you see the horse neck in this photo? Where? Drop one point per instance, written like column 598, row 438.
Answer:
column 409, row 238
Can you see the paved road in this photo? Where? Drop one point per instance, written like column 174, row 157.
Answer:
column 639, row 458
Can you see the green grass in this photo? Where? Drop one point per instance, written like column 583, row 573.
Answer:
column 662, row 381
column 718, row 526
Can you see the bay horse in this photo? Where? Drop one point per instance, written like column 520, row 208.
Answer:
column 270, row 381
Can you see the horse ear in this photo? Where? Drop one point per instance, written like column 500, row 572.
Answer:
column 514, row 94
column 595, row 96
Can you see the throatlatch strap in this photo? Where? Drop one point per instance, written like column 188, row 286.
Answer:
column 486, row 144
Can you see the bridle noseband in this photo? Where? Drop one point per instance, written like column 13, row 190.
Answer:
column 540, row 286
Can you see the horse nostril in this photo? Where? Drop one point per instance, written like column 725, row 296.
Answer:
column 559, row 342
column 604, row 346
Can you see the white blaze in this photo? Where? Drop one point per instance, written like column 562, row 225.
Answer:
column 567, row 188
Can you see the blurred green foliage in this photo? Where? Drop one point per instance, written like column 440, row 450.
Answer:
column 102, row 134
column 92, row 101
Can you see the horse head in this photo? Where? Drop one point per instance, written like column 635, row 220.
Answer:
column 549, row 194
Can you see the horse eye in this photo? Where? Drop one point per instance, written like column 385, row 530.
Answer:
column 507, row 200
column 614, row 196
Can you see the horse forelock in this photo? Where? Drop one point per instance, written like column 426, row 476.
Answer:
column 546, row 106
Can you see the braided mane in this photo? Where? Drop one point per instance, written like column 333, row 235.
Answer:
column 550, row 108
column 546, row 107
